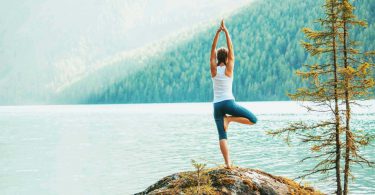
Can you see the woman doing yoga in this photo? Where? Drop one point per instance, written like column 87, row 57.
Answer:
column 226, row 110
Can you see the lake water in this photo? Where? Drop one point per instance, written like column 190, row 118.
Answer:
column 122, row 149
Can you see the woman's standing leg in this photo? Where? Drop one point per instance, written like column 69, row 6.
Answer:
column 225, row 151
column 219, row 120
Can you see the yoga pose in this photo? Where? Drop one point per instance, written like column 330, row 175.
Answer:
column 226, row 110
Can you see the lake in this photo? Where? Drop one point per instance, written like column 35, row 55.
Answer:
column 124, row 148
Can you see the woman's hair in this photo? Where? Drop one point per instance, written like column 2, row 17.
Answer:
column 221, row 55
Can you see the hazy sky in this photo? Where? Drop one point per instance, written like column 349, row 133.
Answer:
column 117, row 24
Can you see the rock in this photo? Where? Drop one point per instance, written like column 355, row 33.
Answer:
column 223, row 181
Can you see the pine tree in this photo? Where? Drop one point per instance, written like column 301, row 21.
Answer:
column 345, row 78
column 356, row 75
column 323, row 92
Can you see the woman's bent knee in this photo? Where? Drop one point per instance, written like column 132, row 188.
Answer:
column 254, row 120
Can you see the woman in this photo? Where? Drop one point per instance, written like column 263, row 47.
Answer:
column 222, row 65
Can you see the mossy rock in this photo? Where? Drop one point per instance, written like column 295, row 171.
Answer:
column 235, row 181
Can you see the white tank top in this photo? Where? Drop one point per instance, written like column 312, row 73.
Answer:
column 222, row 85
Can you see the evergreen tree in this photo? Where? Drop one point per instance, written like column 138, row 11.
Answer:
column 345, row 78
column 323, row 91
column 357, row 80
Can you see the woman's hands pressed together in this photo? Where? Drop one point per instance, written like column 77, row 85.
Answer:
column 222, row 26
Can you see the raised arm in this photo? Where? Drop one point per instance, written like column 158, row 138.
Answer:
column 213, row 64
column 230, row 64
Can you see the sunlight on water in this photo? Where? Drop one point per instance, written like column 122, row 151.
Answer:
column 122, row 149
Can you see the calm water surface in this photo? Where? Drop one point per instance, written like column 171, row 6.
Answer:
column 122, row 149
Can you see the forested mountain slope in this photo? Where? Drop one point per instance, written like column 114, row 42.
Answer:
column 266, row 37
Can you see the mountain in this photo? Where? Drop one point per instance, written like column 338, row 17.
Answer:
column 266, row 37
column 50, row 46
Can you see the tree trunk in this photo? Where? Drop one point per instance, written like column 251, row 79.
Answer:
column 347, row 112
column 337, row 116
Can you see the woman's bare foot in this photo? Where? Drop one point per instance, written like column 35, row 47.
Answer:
column 228, row 167
column 226, row 123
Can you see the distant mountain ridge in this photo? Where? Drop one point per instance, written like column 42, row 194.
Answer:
column 266, row 38
column 47, row 54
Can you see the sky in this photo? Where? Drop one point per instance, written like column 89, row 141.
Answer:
column 46, row 43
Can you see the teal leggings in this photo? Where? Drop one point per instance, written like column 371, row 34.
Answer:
column 230, row 107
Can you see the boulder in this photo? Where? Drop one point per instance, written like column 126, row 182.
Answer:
column 227, row 181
